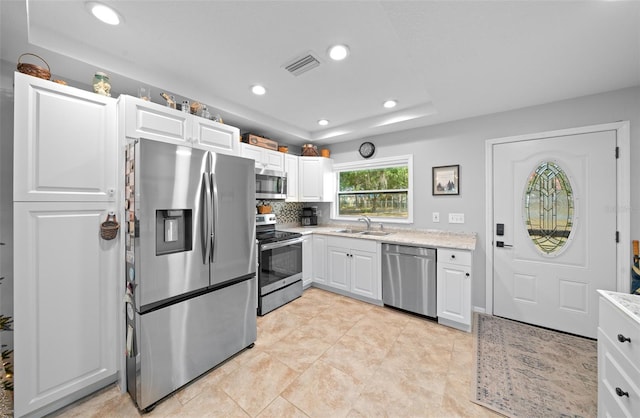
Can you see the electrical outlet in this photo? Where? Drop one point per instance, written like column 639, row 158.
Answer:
column 456, row 218
column 436, row 216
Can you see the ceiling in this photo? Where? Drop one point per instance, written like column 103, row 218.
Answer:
column 442, row 60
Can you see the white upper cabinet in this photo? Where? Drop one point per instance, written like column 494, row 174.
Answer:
column 291, row 168
column 215, row 136
column 153, row 121
column 316, row 179
column 264, row 158
column 65, row 143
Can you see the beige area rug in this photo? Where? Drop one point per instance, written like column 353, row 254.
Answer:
column 527, row 371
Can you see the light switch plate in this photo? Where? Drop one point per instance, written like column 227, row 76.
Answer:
column 456, row 218
column 436, row 216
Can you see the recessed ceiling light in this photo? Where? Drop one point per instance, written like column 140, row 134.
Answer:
column 389, row 104
column 104, row 13
column 258, row 90
column 323, row 122
column 338, row 52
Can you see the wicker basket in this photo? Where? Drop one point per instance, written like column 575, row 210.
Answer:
column 310, row 150
column 34, row 70
column 109, row 228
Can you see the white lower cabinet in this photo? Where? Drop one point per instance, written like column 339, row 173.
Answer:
column 618, row 359
column 353, row 266
column 307, row 260
column 454, row 288
column 319, row 259
column 66, row 306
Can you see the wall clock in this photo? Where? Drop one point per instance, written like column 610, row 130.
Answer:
column 367, row 149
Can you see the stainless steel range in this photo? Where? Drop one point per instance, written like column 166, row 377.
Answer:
column 279, row 264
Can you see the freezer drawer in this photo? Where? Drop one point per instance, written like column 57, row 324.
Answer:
column 182, row 341
column 409, row 278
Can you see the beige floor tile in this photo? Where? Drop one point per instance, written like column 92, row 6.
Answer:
column 328, row 327
column 355, row 357
column 257, row 383
column 206, row 381
column 307, row 307
column 105, row 403
column 298, row 350
column 351, row 309
column 325, row 355
column 389, row 394
column 377, row 333
column 213, row 402
column 276, row 325
column 281, row 408
column 323, row 391
column 318, row 295
column 389, row 315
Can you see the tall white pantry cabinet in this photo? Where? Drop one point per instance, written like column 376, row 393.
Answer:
column 66, row 275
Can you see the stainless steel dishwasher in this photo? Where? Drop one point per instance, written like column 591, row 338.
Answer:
column 409, row 278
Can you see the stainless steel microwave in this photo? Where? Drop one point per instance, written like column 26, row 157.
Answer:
column 271, row 184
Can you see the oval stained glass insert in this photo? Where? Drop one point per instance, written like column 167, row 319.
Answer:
column 549, row 207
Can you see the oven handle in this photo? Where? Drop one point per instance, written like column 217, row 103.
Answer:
column 280, row 244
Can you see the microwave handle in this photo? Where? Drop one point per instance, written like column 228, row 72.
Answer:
column 283, row 184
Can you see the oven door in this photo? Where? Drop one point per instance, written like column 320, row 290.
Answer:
column 280, row 264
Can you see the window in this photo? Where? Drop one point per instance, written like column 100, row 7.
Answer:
column 549, row 208
column 380, row 189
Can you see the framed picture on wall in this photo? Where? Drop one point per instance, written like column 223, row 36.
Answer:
column 446, row 180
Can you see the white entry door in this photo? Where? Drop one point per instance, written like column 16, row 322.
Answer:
column 554, row 229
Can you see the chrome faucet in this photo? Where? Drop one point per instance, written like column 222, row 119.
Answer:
column 366, row 219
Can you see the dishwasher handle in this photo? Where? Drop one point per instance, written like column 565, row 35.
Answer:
column 421, row 252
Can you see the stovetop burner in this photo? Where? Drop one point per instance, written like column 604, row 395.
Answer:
column 274, row 236
column 266, row 230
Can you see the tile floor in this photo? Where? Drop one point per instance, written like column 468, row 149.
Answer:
column 325, row 355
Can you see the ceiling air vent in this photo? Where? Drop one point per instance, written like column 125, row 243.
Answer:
column 302, row 64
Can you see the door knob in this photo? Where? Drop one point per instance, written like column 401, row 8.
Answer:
column 501, row 244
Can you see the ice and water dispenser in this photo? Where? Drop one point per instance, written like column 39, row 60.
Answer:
column 173, row 231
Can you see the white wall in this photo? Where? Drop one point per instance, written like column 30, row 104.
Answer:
column 6, row 196
column 462, row 142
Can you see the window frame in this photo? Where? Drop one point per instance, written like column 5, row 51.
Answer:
column 378, row 163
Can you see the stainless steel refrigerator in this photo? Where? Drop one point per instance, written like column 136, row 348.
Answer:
column 191, row 264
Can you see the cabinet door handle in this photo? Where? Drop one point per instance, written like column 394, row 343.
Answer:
column 623, row 339
column 621, row 393
column 467, row 274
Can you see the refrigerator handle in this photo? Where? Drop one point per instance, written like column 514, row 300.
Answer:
column 214, row 225
column 206, row 219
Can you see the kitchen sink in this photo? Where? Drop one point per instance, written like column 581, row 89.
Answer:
column 361, row 232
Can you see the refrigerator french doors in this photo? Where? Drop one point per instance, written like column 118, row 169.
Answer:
column 190, row 264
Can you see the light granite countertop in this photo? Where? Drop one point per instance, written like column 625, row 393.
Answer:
column 630, row 304
column 426, row 238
